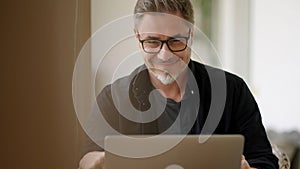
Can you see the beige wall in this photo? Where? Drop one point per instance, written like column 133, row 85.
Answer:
column 38, row 125
column 105, row 12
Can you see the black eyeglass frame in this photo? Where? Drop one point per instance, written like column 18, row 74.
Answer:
column 165, row 41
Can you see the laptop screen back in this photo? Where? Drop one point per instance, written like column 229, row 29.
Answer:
column 213, row 152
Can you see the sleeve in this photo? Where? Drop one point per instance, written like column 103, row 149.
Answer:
column 109, row 112
column 257, row 148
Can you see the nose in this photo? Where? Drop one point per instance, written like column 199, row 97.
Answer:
column 164, row 54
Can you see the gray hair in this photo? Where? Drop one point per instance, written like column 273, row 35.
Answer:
column 184, row 7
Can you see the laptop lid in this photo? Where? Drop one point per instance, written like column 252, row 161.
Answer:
column 173, row 152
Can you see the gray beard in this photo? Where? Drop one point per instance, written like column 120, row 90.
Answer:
column 165, row 79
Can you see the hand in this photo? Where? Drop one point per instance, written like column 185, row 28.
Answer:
column 92, row 160
column 245, row 164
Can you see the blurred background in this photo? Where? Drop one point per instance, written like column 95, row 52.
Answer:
column 40, row 41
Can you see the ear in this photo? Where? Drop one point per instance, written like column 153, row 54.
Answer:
column 192, row 35
column 136, row 35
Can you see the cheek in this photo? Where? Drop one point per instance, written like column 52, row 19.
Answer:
column 185, row 55
column 148, row 58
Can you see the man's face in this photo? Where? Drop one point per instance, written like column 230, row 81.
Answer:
column 165, row 40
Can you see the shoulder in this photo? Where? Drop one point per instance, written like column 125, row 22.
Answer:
column 206, row 72
column 120, row 85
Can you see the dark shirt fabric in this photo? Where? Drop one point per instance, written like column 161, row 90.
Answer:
column 240, row 114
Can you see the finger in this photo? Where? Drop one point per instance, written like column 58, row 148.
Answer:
column 245, row 164
column 101, row 163
column 243, row 157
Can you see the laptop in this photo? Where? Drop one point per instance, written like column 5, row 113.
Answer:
column 173, row 152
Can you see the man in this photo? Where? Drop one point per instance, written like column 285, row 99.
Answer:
column 165, row 42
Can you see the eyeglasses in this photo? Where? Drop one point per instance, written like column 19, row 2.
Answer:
column 175, row 44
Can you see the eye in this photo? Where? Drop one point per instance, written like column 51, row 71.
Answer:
column 177, row 41
column 152, row 43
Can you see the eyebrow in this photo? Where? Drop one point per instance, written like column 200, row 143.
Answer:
column 169, row 37
column 178, row 36
column 152, row 37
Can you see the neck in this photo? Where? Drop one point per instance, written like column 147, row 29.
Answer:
column 175, row 90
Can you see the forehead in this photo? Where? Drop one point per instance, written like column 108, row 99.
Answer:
column 163, row 24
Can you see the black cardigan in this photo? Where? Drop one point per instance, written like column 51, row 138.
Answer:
column 239, row 111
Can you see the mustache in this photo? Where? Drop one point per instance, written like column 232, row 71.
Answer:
column 168, row 61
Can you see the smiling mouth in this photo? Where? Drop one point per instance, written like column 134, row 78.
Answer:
column 167, row 62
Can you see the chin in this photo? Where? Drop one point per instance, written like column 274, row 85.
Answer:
column 165, row 79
